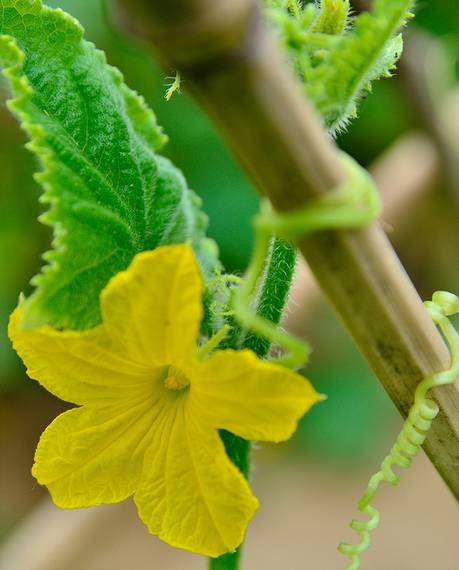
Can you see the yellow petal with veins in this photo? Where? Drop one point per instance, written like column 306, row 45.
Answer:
column 252, row 398
column 191, row 495
column 154, row 309
column 87, row 457
column 78, row 367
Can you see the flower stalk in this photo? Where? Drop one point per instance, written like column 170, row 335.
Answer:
column 271, row 299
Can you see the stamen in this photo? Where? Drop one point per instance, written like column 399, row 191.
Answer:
column 176, row 379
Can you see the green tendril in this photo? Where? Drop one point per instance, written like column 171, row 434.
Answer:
column 414, row 431
column 353, row 204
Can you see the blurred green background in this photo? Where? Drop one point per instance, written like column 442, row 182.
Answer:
column 357, row 422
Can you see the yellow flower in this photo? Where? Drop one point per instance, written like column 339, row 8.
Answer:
column 150, row 408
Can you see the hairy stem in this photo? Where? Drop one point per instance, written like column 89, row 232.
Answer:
column 271, row 299
column 274, row 292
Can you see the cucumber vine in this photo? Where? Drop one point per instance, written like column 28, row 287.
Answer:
column 107, row 188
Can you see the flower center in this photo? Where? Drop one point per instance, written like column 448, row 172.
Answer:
column 176, row 379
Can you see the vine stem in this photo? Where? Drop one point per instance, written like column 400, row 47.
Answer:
column 232, row 66
column 270, row 300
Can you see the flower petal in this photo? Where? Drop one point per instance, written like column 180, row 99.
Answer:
column 154, row 308
column 190, row 494
column 79, row 367
column 87, row 457
column 252, row 398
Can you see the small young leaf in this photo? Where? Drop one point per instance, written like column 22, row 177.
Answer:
column 338, row 57
column 109, row 195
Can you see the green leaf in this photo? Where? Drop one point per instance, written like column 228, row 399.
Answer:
column 108, row 194
column 337, row 58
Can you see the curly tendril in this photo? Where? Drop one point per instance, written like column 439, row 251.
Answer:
column 353, row 204
column 415, row 428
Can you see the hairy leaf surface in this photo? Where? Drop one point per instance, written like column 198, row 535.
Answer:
column 108, row 194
